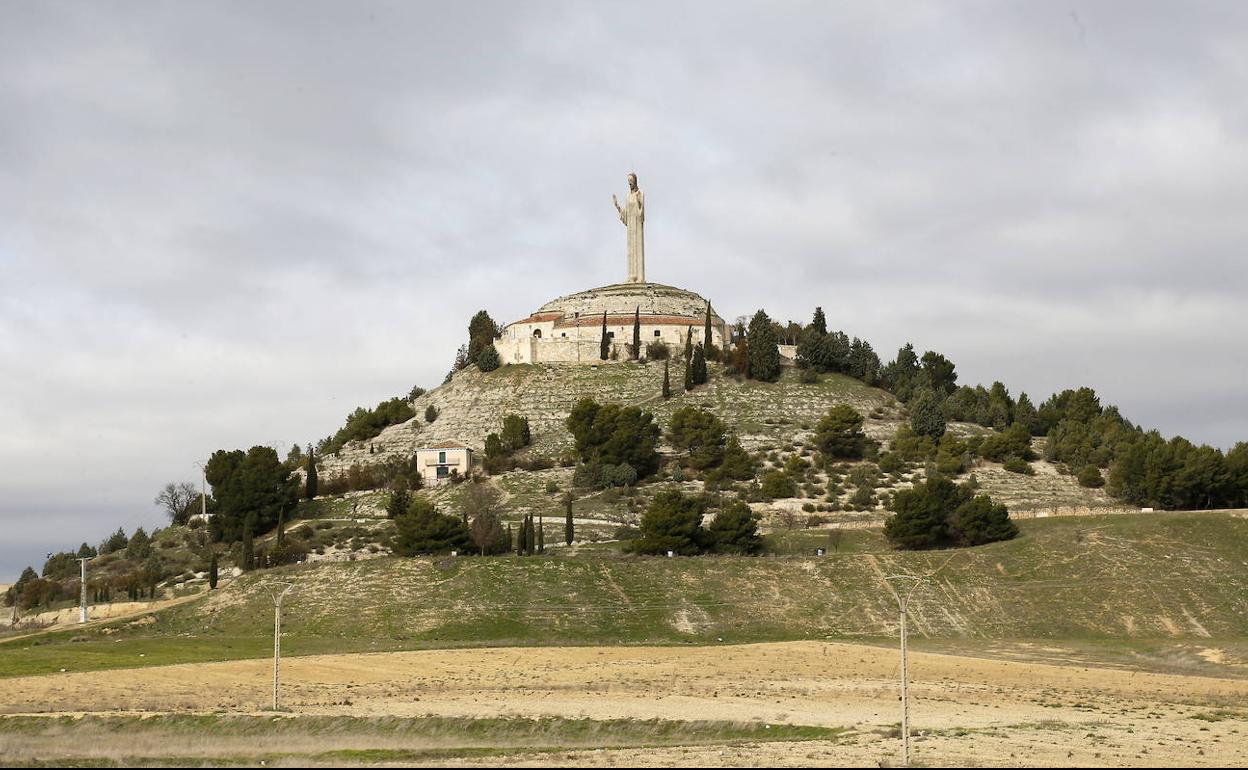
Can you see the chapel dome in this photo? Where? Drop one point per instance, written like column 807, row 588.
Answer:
column 653, row 299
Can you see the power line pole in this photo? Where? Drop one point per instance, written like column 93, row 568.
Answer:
column 903, row 602
column 82, row 608
column 277, row 634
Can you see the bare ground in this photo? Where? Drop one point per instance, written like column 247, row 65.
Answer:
column 965, row 710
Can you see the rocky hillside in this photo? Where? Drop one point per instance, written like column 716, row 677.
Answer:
column 773, row 420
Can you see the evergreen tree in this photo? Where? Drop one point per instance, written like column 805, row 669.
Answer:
column 926, row 415
column 819, row 323
column 689, row 376
column 635, row 352
column 212, row 572
column 310, row 481
column 541, row 536
column 763, row 356
column 488, row 359
column 735, row 530
column 1025, row 414
column 698, row 368
column 397, row 505
column 673, row 522
column 737, row 463
column 604, row 347
column 698, row 433
column 568, row 529
column 424, row 530
column 667, row 379
column 708, row 342
column 839, row 434
column 688, row 347
column 249, row 552
column 482, row 331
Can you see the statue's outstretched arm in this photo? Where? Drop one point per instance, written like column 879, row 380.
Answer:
column 619, row 210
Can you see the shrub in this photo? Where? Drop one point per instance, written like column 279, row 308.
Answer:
column 657, row 351
column 431, row 413
column 488, row 359
column 1018, row 465
column 778, row 484
column 1090, row 476
column 552, row 486
column 807, row 376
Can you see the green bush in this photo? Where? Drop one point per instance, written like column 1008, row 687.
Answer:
column 778, row 484
column 1090, row 476
column 488, row 359
column 1018, row 465
column 423, row 530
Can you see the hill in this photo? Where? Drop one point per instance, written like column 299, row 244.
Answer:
column 772, row 419
column 1118, row 581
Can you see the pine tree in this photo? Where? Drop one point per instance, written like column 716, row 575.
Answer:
column 636, row 351
column 310, row 487
column 604, row 347
column 568, row 530
column 667, row 379
column 212, row 572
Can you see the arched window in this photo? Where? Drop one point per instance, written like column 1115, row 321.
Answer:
column 537, row 333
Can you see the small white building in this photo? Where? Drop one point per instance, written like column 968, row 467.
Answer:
column 441, row 461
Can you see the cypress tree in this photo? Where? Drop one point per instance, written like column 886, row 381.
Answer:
column 762, row 357
column 541, row 535
column 212, row 572
column 699, row 366
column 706, row 330
column 510, row 541
column 310, row 487
column 636, row 333
column 568, row 531
column 281, row 528
column 667, row 379
column 249, row 551
column 530, row 537
column 604, row 347
column 688, row 346
column 688, row 376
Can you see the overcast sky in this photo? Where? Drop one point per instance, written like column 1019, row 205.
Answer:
column 229, row 223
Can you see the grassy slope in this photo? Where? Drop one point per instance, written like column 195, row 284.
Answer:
column 1146, row 576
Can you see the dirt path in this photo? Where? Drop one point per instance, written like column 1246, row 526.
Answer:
column 67, row 619
column 965, row 710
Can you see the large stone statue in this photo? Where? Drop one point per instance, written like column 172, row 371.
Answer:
column 633, row 215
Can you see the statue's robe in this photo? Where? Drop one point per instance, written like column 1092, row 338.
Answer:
column 633, row 215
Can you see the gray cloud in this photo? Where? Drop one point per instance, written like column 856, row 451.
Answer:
column 231, row 223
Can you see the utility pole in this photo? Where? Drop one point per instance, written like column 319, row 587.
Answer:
column 903, row 602
column 203, row 491
column 277, row 632
column 82, row 609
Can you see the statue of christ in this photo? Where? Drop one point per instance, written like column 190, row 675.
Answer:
column 633, row 215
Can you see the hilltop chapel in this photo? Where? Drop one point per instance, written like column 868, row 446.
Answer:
column 569, row 329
